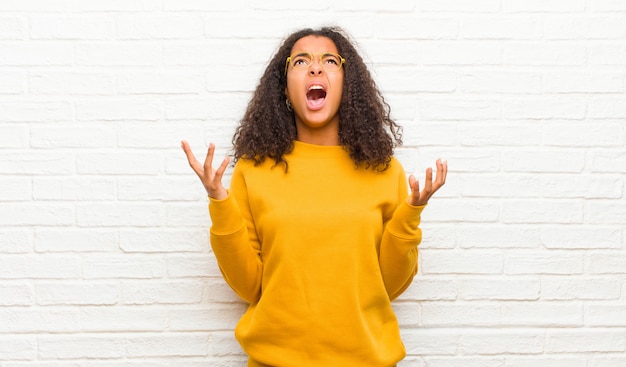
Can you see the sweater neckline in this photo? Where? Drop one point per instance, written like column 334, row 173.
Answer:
column 319, row 151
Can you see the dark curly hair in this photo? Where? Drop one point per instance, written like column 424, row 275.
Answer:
column 366, row 130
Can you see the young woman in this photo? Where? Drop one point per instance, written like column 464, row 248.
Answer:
column 319, row 229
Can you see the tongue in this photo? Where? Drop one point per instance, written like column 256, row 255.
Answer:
column 315, row 99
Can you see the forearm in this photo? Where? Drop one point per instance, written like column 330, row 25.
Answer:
column 237, row 254
column 398, row 249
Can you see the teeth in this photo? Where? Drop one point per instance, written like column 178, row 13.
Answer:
column 316, row 87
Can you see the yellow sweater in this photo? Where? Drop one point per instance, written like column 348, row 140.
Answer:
column 319, row 252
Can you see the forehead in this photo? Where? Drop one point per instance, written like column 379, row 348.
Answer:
column 314, row 45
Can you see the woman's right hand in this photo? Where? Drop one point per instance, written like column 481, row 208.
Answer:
column 211, row 178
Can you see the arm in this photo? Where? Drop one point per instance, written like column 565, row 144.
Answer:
column 237, row 252
column 401, row 235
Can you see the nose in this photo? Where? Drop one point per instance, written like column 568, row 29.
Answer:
column 316, row 68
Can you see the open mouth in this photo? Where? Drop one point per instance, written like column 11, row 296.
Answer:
column 315, row 97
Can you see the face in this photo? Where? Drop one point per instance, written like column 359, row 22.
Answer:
column 314, row 92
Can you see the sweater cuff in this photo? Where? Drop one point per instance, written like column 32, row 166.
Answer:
column 406, row 220
column 225, row 216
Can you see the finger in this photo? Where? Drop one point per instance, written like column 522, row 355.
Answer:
column 221, row 169
column 191, row 158
column 414, row 184
column 208, row 161
column 428, row 185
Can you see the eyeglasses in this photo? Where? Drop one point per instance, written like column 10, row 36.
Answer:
column 303, row 60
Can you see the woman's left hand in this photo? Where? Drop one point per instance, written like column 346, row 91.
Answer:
column 417, row 198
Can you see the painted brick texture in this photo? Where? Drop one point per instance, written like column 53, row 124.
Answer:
column 104, row 253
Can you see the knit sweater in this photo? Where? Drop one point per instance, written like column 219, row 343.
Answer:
column 319, row 252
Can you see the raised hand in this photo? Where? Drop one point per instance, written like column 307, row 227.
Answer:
column 418, row 198
column 211, row 178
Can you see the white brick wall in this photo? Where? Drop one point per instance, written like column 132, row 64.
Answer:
column 104, row 254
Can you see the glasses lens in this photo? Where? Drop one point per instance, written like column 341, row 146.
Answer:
column 300, row 61
column 331, row 62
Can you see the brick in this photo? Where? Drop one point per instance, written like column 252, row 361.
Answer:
column 72, row 28
column 27, row 214
column 395, row 80
column 478, row 6
column 460, row 109
column 431, row 289
column 192, row 266
column 75, row 240
column 16, row 241
column 119, row 108
column 117, row 5
column 585, row 341
column 490, row 236
column 607, row 108
column 73, row 188
column 583, row 82
column 72, row 293
column 15, row 189
column 410, row 27
column 607, row 361
column 159, row 83
column 598, row 27
column 542, row 314
column 73, row 137
column 500, row 186
column 534, row 263
column 71, row 82
column 35, row 110
column 546, row 361
column 133, row 27
column 596, row 134
column 13, row 82
column 13, row 137
column 543, row 6
column 431, row 341
column 407, row 313
column 577, row 186
column 608, row 6
column 541, row 211
column 460, row 314
column 465, row 361
column 118, row 54
column 55, row 347
column 37, row 6
column 123, row 266
column 605, row 212
column 200, row 5
column 556, row 288
column 461, row 53
column 37, row 163
column 157, row 240
column 16, row 294
column 12, row 28
column 554, row 161
column 605, row 315
column 42, row 321
column 609, row 53
column 498, row 342
column 543, row 53
column 162, row 292
column 213, row 317
column 40, row 267
column 507, row 28
column 608, row 161
column 606, row 263
column 118, row 162
column 582, row 238
column 123, row 319
column 499, row 289
column 561, row 107
column 167, row 345
column 501, row 82
column 18, row 347
column 462, row 262
column 34, row 54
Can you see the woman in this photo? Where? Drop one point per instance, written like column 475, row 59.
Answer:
column 318, row 231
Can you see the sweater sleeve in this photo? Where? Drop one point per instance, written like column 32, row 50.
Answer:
column 398, row 247
column 234, row 241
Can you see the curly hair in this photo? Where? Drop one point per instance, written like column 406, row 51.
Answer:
column 366, row 130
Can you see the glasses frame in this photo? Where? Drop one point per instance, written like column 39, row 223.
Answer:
column 288, row 61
